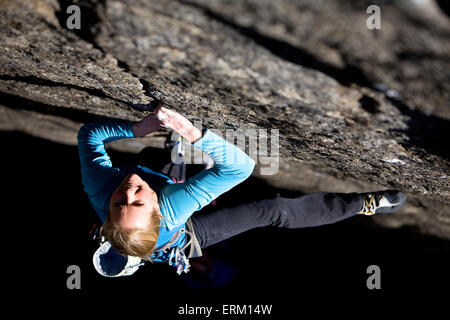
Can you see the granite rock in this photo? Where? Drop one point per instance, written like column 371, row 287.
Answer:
column 351, row 104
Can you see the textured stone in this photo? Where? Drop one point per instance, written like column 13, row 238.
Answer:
column 356, row 109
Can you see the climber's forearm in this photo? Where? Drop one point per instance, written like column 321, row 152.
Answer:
column 173, row 120
column 191, row 134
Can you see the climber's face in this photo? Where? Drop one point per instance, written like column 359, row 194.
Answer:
column 132, row 203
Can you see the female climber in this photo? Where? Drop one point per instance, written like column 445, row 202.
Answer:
column 147, row 216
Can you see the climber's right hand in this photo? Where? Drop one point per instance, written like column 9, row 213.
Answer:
column 172, row 120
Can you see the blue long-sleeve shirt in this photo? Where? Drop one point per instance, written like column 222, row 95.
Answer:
column 178, row 201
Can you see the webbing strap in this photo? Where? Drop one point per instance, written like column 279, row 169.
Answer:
column 195, row 250
column 174, row 239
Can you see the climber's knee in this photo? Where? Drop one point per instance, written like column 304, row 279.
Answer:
column 275, row 212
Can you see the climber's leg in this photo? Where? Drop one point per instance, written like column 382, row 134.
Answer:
column 307, row 211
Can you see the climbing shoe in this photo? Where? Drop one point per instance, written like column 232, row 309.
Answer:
column 382, row 202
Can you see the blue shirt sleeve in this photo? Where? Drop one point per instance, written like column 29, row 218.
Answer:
column 232, row 166
column 97, row 171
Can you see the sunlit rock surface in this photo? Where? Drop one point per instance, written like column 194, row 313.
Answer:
column 356, row 109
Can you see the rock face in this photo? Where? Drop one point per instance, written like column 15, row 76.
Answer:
column 356, row 109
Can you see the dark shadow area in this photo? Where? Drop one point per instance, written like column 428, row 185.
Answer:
column 427, row 132
column 445, row 6
column 369, row 104
column 19, row 103
column 51, row 219
column 33, row 80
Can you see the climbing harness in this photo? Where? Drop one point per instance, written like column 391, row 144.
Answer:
column 176, row 256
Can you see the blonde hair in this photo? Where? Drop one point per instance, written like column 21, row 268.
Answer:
column 133, row 242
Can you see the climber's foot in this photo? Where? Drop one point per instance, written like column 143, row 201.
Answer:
column 382, row 202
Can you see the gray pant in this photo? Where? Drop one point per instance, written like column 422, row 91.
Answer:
column 311, row 210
